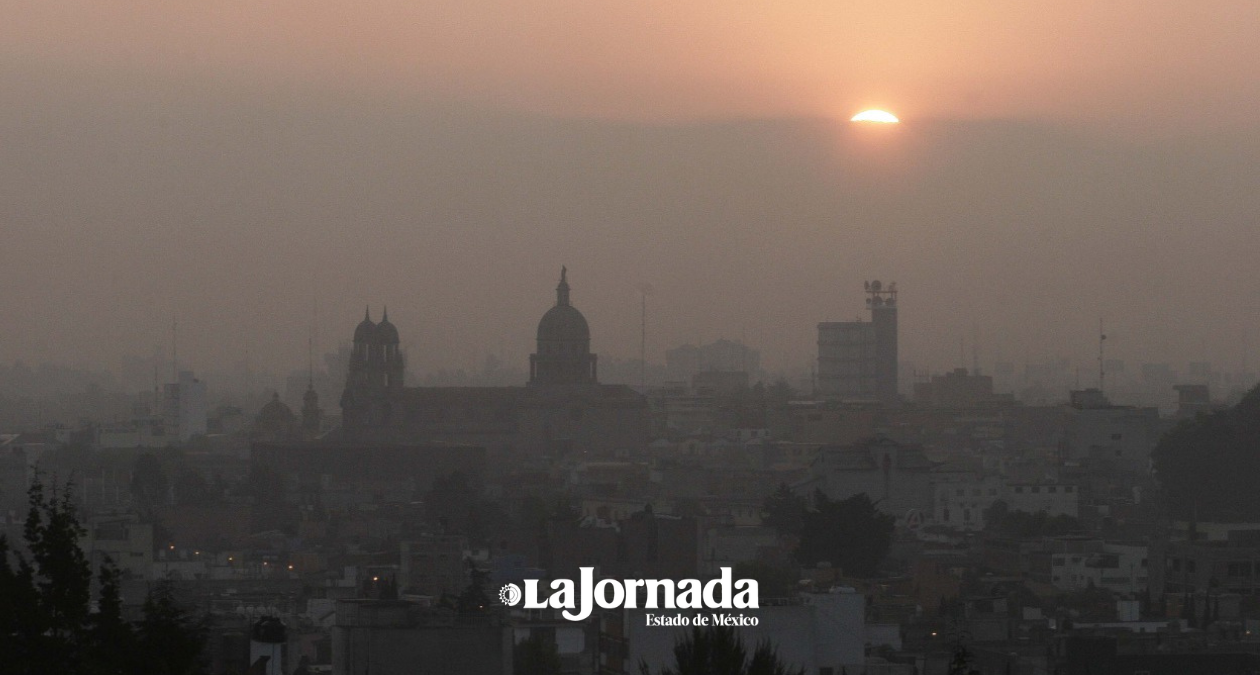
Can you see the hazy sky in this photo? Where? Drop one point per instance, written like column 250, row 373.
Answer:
column 238, row 162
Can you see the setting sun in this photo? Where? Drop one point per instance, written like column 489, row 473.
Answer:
column 881, row 116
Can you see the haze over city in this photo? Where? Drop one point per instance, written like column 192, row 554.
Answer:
column 577, row 337
column 235, row 165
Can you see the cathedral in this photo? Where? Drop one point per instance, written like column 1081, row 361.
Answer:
column 395, row 440
column 563, row 409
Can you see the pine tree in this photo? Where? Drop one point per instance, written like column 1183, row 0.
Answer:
column 170, row 638
column 536, row 655
column 714, row 650
column 46, row 620
column 112, row 649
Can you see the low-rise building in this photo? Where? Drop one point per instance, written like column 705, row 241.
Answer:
column 124, row 541
column 820, row 632
column 393, row 637
column 1118, row 567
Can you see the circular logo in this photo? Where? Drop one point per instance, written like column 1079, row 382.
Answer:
column 510, row 595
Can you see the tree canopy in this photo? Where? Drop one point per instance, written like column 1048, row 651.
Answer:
column 1001, row 519
column 720, row 650
column 850, row 534
column 1208, row 466
column 784, row 510
column 47, row 624
column 536, row 655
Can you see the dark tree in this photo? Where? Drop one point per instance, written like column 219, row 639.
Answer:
column 784, row 510
column 850, row 534
column 773, row 581
column 112, row 644
column 1208, row 466
column 46, row 620
column 721, row 651
column 474, row 599
column 960, row 662
column 536, row 655
column 170, row 638
column 1000, row 519
column 64, row 577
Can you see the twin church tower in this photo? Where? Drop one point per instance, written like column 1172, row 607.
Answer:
column 377, row 367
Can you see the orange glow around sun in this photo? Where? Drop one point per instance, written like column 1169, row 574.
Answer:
column 877, row 116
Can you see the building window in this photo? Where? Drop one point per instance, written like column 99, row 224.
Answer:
column 1052, row 489
column 946, row 514
column 1019, row 490
column 1068, row 489
column 1036, row 489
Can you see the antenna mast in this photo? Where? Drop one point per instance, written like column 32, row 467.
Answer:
column 174, row 349
column 1102, row 365
column 645, row 289
column 975, row 348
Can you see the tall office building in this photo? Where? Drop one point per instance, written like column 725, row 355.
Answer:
column 858, row 359
column 184, row 408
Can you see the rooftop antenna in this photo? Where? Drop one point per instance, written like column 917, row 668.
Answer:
column 645, row 290
column 314, row 333
column 174, row 349
column 312, row 341
column 1102, row 365
column 743, row 348
column 975, row 348
column 157, row 376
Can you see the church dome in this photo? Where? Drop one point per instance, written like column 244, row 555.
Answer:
column 275, row 412
column 366, row 330
column 386, row 333
column 563, row 323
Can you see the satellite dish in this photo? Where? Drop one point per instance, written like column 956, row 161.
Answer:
column 890, row 301
column 866, row 285
column 876, row 301
column 875, row 285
